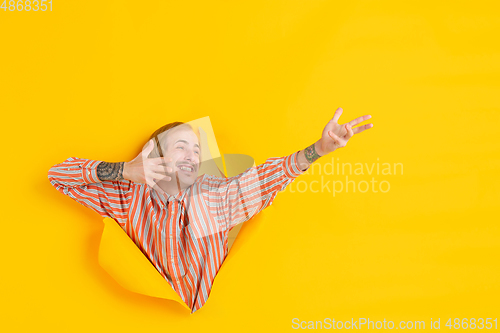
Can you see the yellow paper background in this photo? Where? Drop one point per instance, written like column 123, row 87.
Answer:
column 94, row 79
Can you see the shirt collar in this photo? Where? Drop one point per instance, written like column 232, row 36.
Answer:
column 180, row 196
column 165, row 197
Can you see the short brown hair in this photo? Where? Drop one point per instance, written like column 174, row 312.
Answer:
column 165, row 128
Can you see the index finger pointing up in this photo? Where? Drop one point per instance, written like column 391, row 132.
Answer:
column 148, row 148
column 337, row 115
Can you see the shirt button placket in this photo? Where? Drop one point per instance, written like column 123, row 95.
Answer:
column 174, row 237
column 172, row 249
column 173, row 245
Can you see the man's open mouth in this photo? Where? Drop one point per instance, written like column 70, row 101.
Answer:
column 186, row 168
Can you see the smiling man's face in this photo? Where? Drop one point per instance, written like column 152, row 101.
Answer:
column 183, row 146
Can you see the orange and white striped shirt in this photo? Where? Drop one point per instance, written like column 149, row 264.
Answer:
column 184, row 235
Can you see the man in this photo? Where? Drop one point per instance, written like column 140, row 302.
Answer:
column 178, row 219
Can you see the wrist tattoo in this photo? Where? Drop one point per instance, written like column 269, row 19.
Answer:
column 110, row 171
column 311, row 154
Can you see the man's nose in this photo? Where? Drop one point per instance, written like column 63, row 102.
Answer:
column 190, row 155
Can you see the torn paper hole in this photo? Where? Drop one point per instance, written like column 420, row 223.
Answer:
column 121, row 257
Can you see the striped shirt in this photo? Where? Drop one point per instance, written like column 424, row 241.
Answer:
column 185, row 235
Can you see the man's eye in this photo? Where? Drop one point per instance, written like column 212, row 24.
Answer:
column 197, row 152
column 180, row 147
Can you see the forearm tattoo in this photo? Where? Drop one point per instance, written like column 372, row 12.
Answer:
column 311, row 154
column 110, row 171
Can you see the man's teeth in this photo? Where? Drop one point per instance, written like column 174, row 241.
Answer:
column 186, row 168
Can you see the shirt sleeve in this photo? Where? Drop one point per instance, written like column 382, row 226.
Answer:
column 77, row 178
column 241, row 197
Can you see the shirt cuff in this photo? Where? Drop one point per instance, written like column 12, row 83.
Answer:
column 89, row 171
column 291, row 166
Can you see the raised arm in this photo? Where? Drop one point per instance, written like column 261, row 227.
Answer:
column 241, row 197
column 334, row 136
column 237, row 199
column 94, row 184
column 106, row 187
